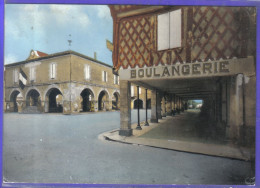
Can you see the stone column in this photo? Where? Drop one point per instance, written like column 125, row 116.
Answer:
column 95, row 105
column 110, row 105
column 42, row 106
column 66, row 107
column 46, row 105
column 154, row 117
column 20, row 104
column 125, row 109
column 236, row 107
column 163, row 107
column 169, row 106
column 159, row 106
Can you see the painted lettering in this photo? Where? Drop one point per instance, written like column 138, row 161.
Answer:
column 154, row 73
column 174, row 69
column 141, row 73
column 185, row 69
column 195, row 68
column 165, row 72
column 223, row 66
column 133, row 73
column 208, row 67
column 148, row 74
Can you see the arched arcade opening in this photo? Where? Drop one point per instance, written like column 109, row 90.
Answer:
column 33, row 98
column 103, row 100
column 55, row 100
column 115, row 101
column 87, row 104
column 13, row 98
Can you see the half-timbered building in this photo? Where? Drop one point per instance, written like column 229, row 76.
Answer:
column 181, row 53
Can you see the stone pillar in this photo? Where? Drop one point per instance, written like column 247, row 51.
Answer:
column 75, row 107
column 169, row 106
column 163, row 107
column 110, row 105
column 125, row 109
column 95, row 105
column 236, row 107
column 154, row 117
column 42, row 106
column 174, row 102
column 66, row 107
column 159, row 106
column 46, row 105
column 20, row 104
column 250, row 110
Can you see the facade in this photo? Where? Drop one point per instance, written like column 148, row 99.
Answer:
column 183, row 53
column 66, row 82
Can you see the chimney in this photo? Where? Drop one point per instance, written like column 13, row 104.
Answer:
column 95, row 55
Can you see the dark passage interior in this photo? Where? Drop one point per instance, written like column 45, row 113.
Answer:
column 55, row 97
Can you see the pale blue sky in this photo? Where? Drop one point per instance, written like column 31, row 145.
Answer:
column 47, row 28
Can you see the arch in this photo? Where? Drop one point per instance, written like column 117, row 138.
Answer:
column 13, row 98
column 101, row 90
column 138, row 102
column 103, row 100
column 13, row 90
column 31, row 88
column 33, row 98
column 87, row 96
column 53, row 100
column 48, row 90
column 115, row 101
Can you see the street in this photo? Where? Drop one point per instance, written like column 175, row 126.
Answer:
column 56, row 148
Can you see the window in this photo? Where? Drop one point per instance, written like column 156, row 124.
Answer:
column 132, row 91
column 32, row 74
column 169, row 30
column 53, row 70
column 104, row 76
column 140, row 90
column 87, row 72
column 116, row 79
column 15, row 75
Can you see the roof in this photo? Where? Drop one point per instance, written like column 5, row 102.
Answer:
column 47, row 56
column 36, row 54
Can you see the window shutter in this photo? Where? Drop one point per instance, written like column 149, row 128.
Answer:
column 103, row 76
column 163, row 31
column 50, row 71
column 175, row 29
column 15, row 75
column 34, row 73
column 132, row 91
column 54, row 70
column 87, row 72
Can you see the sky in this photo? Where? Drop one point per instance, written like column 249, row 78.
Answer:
column 47, row 28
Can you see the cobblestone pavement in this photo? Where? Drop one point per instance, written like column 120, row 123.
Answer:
column 55, row 148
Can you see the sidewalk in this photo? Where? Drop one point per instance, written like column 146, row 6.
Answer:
column 157, row 135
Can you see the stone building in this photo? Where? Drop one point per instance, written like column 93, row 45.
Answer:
column 180, row 53
column 141, row 101
column 66, row 82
